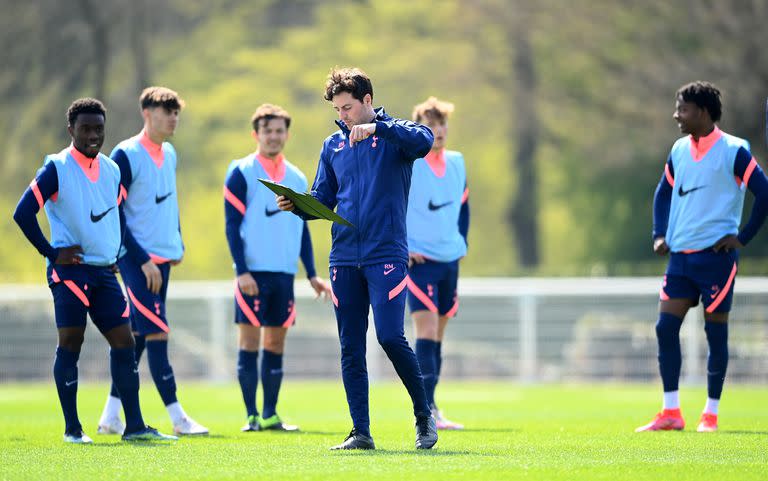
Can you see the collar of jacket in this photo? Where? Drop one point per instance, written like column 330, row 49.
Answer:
column 380, row 115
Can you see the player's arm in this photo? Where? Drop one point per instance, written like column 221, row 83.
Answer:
column 413, row 139
column 235, row 190
column 748, row 170
column 307, row 256
column 464, row 215
column 662, row 200
column 44, row 186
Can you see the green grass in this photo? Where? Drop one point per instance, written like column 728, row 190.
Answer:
column 513, row 432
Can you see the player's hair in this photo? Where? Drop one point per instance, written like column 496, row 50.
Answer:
column 705, row 95
column 267, row 112
column 433, row 109
column 152, row 97
column 348, row 79
column 85, row 105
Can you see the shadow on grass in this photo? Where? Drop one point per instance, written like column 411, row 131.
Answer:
column 138, row 444
column 400, row 452
column 489, row 430
column 759, row 433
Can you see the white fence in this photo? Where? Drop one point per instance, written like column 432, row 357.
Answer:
column 527, row 329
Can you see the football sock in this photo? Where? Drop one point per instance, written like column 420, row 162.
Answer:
column 112, row 408
column 670, row 356
column 65, row 375
column 425, row 353
column 712, row 406
column 672, row 400
column 176, row 412
column 248, row 376
column 271, row 377
column 138, row 350
column 717, row 361
column 162, row 373
column 125, row 375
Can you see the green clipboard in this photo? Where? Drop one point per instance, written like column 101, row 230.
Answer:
column 306, row 203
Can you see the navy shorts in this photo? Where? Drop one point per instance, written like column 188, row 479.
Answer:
column 147, row 309
column 706, row 275
column 432, row 287
column 272, row 306
column 82, row 289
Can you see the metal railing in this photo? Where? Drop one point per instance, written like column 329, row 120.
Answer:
column 525, row 329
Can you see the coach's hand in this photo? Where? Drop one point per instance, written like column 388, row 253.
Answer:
column 247, row 284
column 414, row 258
column 727, row 244
column 322, row 289
column 69, row 255
column 284, row 203
column 660, row 246
column 153, row 275
column 358, row 133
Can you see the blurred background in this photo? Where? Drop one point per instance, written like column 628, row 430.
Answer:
column 563, row 115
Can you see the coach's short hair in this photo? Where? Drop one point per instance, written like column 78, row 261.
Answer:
column 705, row 95
column 433, row 109
column 267, row 112
column 85, row 105
column 348, row 79
column 152, row 97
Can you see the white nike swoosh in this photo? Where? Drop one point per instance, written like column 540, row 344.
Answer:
column 387, row 272
column 70, row 383
column 165, row 378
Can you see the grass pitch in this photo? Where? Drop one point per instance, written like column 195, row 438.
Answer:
column 553, row 432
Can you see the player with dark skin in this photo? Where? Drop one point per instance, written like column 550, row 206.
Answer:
column 695, row 121
column 88, row 137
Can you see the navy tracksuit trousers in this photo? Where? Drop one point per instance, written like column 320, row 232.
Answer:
column 381, row 286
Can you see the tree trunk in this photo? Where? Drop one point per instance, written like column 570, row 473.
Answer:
column 139, row 45
column 523, row 213
column 100, row 43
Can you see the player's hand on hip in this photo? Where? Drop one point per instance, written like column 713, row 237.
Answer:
column 69, row 255
column 414, row 258
column 660, row 246
column 727, row 244
column 284, row 203
column 153, row 275
column 247, row 284
column 358, row 133
column 322, row 289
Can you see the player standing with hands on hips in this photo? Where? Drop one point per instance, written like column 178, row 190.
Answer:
column 365, row 170
column 696, row 215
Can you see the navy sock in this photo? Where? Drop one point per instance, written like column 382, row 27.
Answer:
column 162, row 372
column 125, row 375
column 65, row 375
column 271, row 378
column 138, row 349
column 670, row 356
column 438, row 364
column 425, row 353
column 248, row 375
column 717, row 362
